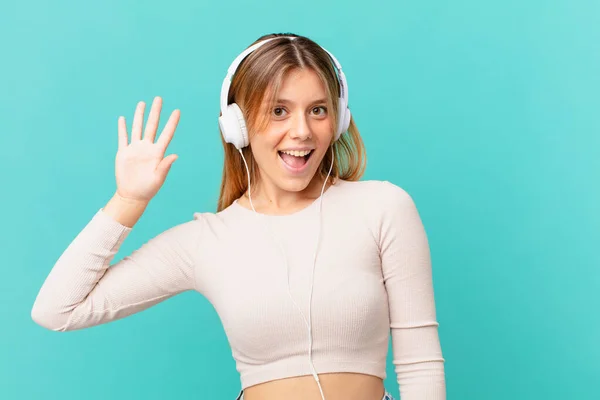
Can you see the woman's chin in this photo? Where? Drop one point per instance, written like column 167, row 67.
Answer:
column 294, row 183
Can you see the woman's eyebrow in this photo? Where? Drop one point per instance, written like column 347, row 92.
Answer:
column 286, row 101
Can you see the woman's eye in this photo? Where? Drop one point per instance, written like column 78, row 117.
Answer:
column 323, row 110
column 278, row 111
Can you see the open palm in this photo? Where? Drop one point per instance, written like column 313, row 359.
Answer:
column 141, row 166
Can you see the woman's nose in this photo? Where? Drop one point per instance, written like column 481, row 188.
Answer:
column 300, row 128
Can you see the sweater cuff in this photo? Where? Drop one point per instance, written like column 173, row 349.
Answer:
column 106, row 231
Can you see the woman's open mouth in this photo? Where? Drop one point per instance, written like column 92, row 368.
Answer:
column 295, row 161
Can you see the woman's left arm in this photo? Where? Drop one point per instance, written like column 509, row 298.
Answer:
column 407, row 273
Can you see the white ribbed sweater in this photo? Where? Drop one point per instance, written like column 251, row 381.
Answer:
column 373, row 274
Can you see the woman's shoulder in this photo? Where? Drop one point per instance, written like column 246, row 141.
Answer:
column 378, row 191
column 378, row 199
column 382, row 204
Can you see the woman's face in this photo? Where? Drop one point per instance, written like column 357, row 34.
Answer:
column 299, row 132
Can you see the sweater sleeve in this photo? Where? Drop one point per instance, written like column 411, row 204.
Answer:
column 84, row 290
column 407, row 272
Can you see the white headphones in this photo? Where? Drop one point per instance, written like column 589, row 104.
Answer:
column 231, row 121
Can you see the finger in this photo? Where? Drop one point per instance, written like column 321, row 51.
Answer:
column 153, row 119
column 138, row 121
column 165, row 165
column 169, row 130
column 122, row 128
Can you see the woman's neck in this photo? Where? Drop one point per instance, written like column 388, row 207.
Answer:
column 271, row 199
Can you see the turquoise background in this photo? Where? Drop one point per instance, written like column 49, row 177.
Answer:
column 487, row 113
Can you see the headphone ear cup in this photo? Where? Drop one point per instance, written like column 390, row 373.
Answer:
column 343, row 118
column 233, row 126
column 347, row 117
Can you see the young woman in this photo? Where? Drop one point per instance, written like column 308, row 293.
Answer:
column 308, row 268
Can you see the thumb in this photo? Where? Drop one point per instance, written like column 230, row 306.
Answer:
column 165, row 165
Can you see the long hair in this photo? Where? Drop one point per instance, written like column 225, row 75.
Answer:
column 257, row 80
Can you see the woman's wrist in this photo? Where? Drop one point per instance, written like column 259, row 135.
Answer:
column 124, row 210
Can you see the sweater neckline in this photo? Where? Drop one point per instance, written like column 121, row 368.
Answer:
column 313, row 204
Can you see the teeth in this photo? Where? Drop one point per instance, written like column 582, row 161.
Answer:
column 296, row 153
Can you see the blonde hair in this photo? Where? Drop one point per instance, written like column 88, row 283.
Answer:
column 257, row 80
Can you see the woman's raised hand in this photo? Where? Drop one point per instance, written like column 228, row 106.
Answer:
column 141, row 166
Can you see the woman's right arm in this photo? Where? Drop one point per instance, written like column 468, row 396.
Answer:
column 81, row 290
column 84, row 290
